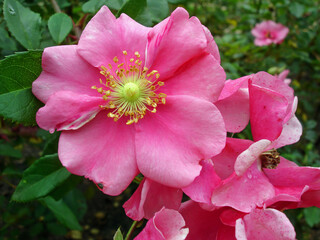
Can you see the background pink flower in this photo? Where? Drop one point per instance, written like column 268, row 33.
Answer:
column 269, row 32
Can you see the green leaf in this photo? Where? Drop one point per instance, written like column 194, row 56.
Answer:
column 133, row 8
column 17, row 72
column 312, row 216
column 296, row 9
column 60, row 24
column 93, row 6
column 118, row 235
column 115, row 4
column 23, row 24
column 62, row 213
column 155, row 12
column 44, row 175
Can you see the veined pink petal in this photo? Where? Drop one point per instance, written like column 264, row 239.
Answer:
column 105, row 37
column 268, row 110
column 66, row 110
column 224, row 162
column 201, row 77
column 162, row 51
column 149, row 198
column 167, row 224
column 102, row 151
column 171, row 143
column 65, row 70
column 245, row 192
column 200, row 190
column 266, row 224
column 247, row 158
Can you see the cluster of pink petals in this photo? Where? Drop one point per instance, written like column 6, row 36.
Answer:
column 235, row 197
column 182, row 148
column 165, row 146
column 268, row 32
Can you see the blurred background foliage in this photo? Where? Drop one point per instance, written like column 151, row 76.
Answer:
column 89, row 214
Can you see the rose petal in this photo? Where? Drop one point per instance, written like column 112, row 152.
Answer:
column 200, row 190
column 246, row 158
column 224, row 162
column 268, row 224
column 171, row 142
column 103, row 151
column 268, row 110
column 179, row 30
column 105, row 37
column 68, row 111
column 167, row 224
column 201, row 77
column 244, row 193
column 149, row 198
column 65, row 70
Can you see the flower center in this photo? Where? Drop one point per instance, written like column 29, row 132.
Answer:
column 130, row 90
column 270, row 159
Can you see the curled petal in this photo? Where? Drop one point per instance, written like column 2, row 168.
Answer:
column 149, row 198
column 167, row 224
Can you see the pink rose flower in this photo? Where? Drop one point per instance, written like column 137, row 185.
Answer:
column 269, row 32
column 229, row 224
column 132, row 99
column 167, row 224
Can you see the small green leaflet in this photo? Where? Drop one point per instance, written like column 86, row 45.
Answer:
column 17, row 72
column 60, row 24
column 118, row 235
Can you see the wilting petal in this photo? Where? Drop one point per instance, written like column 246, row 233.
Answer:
column 65, row 70
column 167, row 224
column 266, row 224
column 149, row 198
column 105, row 37
column 102, row 151
column 68, row 111
column 246, row 158
column 189, row 129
